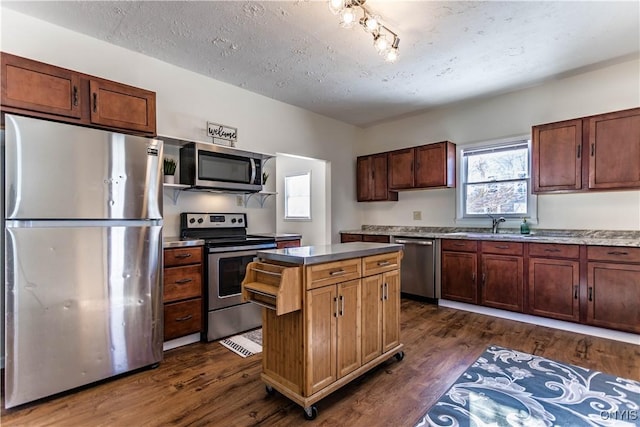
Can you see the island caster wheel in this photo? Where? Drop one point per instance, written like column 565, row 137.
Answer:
column 270, row 390
column 399, row 355
column 310, row 412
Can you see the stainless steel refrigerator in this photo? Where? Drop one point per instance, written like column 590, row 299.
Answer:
column 82, row 256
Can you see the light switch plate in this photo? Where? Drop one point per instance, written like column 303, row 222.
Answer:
column 417, row 215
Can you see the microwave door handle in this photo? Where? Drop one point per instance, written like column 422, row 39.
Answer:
column 253, row 170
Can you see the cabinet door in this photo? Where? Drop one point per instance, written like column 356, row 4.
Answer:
column 553, row 288
column 121, row 106
column 614, row 148
column 39, row 87
column 391, row 310
column 321, row 308
column 364, row 179
column 349, row 237
column 401, row 169
column 349, row 346
column 613, row 292
column 502, row 282
column 557, row 156
column 435, row 165
column 371, row 315
column 380, row 189
column 459, row 276
column 182, row 318
column 288, row 244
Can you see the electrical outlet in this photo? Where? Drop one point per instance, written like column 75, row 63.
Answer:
column 239, row 201
column 417, row 215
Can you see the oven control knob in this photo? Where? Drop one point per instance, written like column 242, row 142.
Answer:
column 233, row 221
column 192, row 220
column 200, row 220
column 240, row 220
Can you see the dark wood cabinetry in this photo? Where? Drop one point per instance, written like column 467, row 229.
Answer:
column 594, row 285
column 41, row 90
column 591, row 153
column 372, row 179
column 281, row 244
column 501, row 283
column 426, row 166
column 459, row 270
column 613, row 287
column 182, row 292
column 354, row 237
column 554, row 281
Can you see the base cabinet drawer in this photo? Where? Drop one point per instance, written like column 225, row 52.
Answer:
column 182, row 318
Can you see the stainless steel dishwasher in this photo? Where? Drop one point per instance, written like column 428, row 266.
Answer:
column 418, row 266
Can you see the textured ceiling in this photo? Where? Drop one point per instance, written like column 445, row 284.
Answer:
column 295, row 51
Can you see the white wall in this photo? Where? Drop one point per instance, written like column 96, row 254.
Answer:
column 186, row 101
column 615, row 87
column 316, row 231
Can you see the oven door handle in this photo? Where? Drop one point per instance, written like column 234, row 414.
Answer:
column 241, row 248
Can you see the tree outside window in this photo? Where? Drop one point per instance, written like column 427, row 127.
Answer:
column 496, row 180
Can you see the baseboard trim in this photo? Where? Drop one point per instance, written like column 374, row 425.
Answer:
column 543, row 321
column 179, row 342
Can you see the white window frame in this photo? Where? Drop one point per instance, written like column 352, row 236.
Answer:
column 512, row 220
column 287, row 217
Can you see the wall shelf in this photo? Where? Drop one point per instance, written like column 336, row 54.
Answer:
column 176, row 189
column 261, row 196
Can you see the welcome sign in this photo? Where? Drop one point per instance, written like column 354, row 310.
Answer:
column 225, row 134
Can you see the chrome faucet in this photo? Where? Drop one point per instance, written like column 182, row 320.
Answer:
column 495, row 222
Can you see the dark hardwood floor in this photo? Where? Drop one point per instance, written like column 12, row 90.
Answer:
column 206, row 384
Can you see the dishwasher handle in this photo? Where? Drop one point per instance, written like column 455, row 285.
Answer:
column 415, row 242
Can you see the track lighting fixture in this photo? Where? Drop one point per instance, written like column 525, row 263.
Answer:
column 384, row 40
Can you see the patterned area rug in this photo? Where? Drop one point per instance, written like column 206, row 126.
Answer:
column 509, row 388
column 246, row 344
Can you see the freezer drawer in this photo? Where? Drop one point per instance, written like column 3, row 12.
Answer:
column 83, row 303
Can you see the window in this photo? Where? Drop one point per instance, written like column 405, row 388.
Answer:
column 297, row 196
column 495, row 180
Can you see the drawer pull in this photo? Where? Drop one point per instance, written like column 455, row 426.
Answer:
column 575, row 292
column 383, row 263
column 183, row 281
column 617, row 253
column 95, row 102
column 272, row 273
column 337, row 272
column 341, row 305
column 336, row 301
column 75, row 96
column 182, row 319
column 502, row 246
column 458, row 244
column 552, row 250
column 591, row 294
column 183, row 256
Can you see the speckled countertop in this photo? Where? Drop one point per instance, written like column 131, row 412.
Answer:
column 570, row 237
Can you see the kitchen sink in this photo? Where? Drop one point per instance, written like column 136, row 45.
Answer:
column 490, row 235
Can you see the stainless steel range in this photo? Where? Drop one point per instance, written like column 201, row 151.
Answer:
column 229, row 249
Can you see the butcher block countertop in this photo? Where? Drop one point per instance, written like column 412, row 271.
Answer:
column 308, row 255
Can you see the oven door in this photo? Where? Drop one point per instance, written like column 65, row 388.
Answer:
column 225, row 273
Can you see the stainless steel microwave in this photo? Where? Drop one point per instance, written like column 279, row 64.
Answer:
column 209, row 166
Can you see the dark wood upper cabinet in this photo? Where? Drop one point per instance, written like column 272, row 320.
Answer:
column 119, row 106
column 42, row 90
column 401, row 174
column 614, row 150
column 40, row 87
column 599, row 152
column 557, row 156
column 426, row 166
column 372, row 179
column 435, row 165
